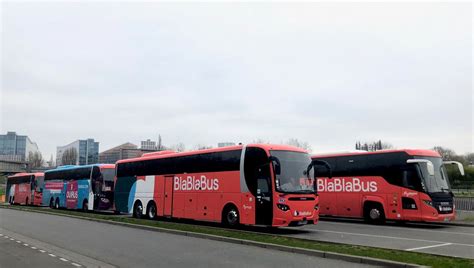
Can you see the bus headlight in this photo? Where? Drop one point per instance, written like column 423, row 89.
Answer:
column 428, row 202
column 316, row 207
column 283, row 207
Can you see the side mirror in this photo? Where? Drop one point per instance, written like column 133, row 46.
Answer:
column 460, row 166
column 428, row 163
column 276, row 164
column 321, row 163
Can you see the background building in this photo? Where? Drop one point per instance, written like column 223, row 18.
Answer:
column 225, row 144
column 18, row 147
column 148, row 145
column 80, row 152
column 124, row 151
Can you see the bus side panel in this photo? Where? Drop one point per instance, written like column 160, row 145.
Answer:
column 10, row 192
column 124, row 194
column 158, row 196
column 22, row 192
column 248, row 208
column 52, row 190
column 83, row 191
column 145, row 188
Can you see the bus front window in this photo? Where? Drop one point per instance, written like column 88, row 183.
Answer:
column 439, row 182
column 292, row 177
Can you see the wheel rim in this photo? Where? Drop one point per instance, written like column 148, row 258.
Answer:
column 232, row 217
column 152, row 212
column 85, row 206
column 374, row 214
column 139, row 210
column 57, row 204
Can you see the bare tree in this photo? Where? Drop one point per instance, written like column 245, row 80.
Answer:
column 35, row 160
column 301, row 144
column 373, row 146
column 446, row 153
column 260, row 140
column 179, row 147
column 202, row 147
column 69, row 157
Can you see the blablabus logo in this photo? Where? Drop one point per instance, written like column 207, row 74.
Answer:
column 71, row 194
column 193, row 183
column 346, row 185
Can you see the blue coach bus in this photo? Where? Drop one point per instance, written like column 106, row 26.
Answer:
column 87, row 187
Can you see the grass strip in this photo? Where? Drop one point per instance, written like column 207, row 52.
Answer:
column 379, row 253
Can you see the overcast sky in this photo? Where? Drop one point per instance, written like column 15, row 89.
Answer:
column 326, row 74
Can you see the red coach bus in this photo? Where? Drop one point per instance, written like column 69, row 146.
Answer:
column 272, row 185
column 25, row 188
column 402, row 185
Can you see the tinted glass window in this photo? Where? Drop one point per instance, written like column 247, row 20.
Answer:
column 209, row 162
column 256, row 166
column 68, row 174
column 18, row 180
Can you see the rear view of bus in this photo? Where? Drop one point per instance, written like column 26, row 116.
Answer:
column 403, row 185
column 257, row 184
column 25, row 189
column 80, row 187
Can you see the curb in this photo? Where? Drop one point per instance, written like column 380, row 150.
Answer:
column 308, row 252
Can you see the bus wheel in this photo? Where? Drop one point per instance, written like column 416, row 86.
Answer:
column 230, row 216
column 85, row 206
column 51, row 203
column 374, row 213
column 56, row 204
column 138, row 210
column 26, row 202
column 151, row 210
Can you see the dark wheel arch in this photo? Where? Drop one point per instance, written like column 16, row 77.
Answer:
column 138, row 209
column 374, row 212
column 150, row 207
column 230, row 215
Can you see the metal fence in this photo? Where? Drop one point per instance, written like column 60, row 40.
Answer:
column 464, row 203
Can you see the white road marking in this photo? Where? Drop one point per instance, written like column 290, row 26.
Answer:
column 25, row 245
column 5, row 236
column 1, row 234
column 12, row 239
column 405, row 228
column 52, row 255
column 42, row 251
column 393, row 237
column 432, row 246
column 75, row 264
column 33, row 248
column 63, row 259
column 18, row 241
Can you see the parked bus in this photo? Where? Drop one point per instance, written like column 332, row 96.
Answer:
column 402, row 185
column 25, row 188
column 80, row 187
column 262, row 184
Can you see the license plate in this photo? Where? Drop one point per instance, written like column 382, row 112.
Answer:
column 446, row 219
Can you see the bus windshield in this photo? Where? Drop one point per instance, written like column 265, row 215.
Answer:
column 439, row 182
column 292, row 177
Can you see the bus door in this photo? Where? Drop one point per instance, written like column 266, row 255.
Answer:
column 168, row 196
column 264, row 207
column 410, row 198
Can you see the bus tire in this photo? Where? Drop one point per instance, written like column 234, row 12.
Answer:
column 56, row 204
column 138, row 210
column 151, row 210
column 230, row 216
column 51, row 203
column 85, row 205
column 26, row 202
column 13, row 200
column 374, row 213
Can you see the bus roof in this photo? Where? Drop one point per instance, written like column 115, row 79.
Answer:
column 70, row 167
column 418, row 152
column 22, row 174
column 169, row 154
